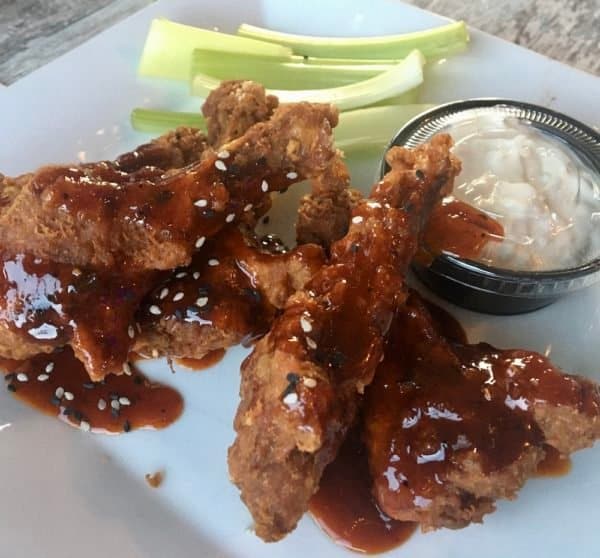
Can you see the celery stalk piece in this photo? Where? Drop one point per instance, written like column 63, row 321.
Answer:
column 154, row 121
column 373, row 128
column 402, row 77
column 169, row 46
column 433, row 43
column 291, row 73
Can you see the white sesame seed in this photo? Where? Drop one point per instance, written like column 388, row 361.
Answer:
column 309, row 382
column 213, row 262
column 264, row 186
column 374, row 204
column 42, row 377
column 155, row 310
column 60, row 391
column 49, row 367
column 292, row 175
column 124, row 401
column 220, row 165
column 358, row 219
column 223, row 154
column 101, row 404
column 178, row 296
column 248, row 207
column 115, row 404
column 311, row 343
column 230, row 218
column 163, row 293
column 131, row 332
column 155, row 353
column 196, row 275
column 69, row 396
column 76, row 272
column 127, row 369
column 85, row 426
column 181, row 274
column 201, row 203
column 291, row 398
column 202, row 301
column 305, row 324
column 200, row 242
column 71, row 289
column 22, row 377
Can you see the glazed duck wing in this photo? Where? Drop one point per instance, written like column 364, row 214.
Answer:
column 301, row 385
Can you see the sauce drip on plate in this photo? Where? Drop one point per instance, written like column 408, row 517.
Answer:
column 58, row 385
column 208, row 360
column 554, row 464
column 345, row 508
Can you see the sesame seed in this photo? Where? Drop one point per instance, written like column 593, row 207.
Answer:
column 76, row 272
column 220, row 165
column 60, row 391
column 196, row 275
column 181, row 274
column 201, row 203
column 264, row 186
column 155, row 353
column 311, row 343
column 305, row 324
column 202, row 301
column 200, row 242
column 178, row 296
column 85, row 425
column 71, row 289
column 358, row 219
column 101, row 404
column 292, row 175
column 213, row 262
column 22, row 377
column 115, row 404
column 42, row 377
column 155, row 310
column 248, row 207
column 11, row 387
column 309, row 382
column 223, row 154
column 124, row 401
column 49, row 367
column 131, row 332
column 374, row 204
column 163, row 293
column 126, row 426
column 230, row 218
column 291, row 398
column 127, row 369
column 69, row 396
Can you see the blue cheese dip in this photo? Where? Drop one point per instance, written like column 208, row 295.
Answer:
column 545, row 197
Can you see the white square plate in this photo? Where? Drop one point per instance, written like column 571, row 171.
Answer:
column 66, row 494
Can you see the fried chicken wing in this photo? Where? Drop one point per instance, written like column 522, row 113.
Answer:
column 301, row 385
column 100, row 215
column 228, row 295
column 451, row 428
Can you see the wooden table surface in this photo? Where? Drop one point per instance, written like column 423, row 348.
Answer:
column 33, row 32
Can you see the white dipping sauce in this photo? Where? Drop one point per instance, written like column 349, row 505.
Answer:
column 546, row 199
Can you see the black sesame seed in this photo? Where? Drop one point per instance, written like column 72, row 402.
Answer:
column 78, row 416
column 55, row 401
column 89, row 385
column 113, row 396
column 420, row 174
column 11, row 387
column 138, row 380
column 354, row 248
column 234, row 169
column 293, row 378
column 126, row 426
column 203, row 291
column 114, row 412
column 266, row 220
column 178, row 314
column 67, row 412
column 10, row 377
column 283, row 191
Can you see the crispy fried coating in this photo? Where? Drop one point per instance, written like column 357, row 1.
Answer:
column 302, row 384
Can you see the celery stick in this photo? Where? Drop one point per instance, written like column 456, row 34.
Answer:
column 433, row 43
column 169, row 46
column 291, row 73
column 374, row 127
column 402, row 77
column 154, row 121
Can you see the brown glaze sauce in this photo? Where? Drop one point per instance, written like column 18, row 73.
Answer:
column 208, row 360
column 58, row 385
column 47, row 305
column 344, row 506
column 460, row 229
column 554, row 464
column 434, row 401
column 179, row 206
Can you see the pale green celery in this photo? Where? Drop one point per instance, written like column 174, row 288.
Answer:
column 433, row 43
column 154, row 121
column 169, row 46
column 292, row 73
column 403, row 76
